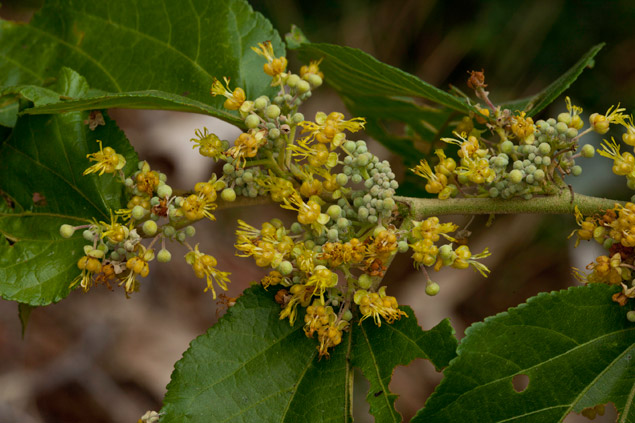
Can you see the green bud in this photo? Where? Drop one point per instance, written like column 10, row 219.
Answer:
column 587, row 151
column 252, row 121
column 164, row 191
column 341, row 179
column 168, row 231
column 576, row 170
column 314, row 80
column 67, row 231
column 261, row 102
column 544, row 148
column 274, row 133
column 630, row 316
column 297, row 118
column 432, row 288
column 402, row 246
column 228, row 194
column 190, row 231
column 303, row 87
column 347, row 315
column 539, row 175
column 138, row 212
column 292, row 80
column 571, row 133
column 164, row 256
column 334, row 211
column 515, row 176
column 150, row 227
column 561, row 127
column 285, row 267
column 272, row 111
column 507, row 147
column 365, row 281
column 88, row 235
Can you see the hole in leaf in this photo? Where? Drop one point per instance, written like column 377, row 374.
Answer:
column 602, row 413
column 520, row 383
column 39, row 199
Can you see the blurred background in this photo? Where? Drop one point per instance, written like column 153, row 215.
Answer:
column 99, row 357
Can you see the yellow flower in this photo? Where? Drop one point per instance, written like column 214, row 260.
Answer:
column 476, row 170
column 275, row 66
column 523, row 127
column 436, row 182
column 204, row 265
column 624, row 163
column 431, row 229
column 278, row 188
column 464, row 259
column 329, row 129
column 246, row 146
column 469, row 146
column 301, row 294
column 378, row 305
column 601, row 123
column 108, row 161
column 89, row 266
column 322, row 278
column 309, row 213
column 235, row 98
column 312, row 68
column 114, row 231
column 138, row 265
column 209, row 145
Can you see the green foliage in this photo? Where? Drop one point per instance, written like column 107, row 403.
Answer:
column 42, row 188
column 253, row 366
column 576, row 347
column 545, row 97
column 141, row 54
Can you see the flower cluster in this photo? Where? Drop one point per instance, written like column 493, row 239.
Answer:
column 327, row 266
column 615, row 231
column 330, row 262
column 115, row 253
column 526, row 158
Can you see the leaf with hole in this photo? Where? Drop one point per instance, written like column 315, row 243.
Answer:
column 576, row 347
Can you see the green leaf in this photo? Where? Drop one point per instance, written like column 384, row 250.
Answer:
column 352, row 72
column 378, row 350
column 8, row 111
column 42, row 187
column 576, row 347
column 142, row 53
column 252, row 366
column 545, row 97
